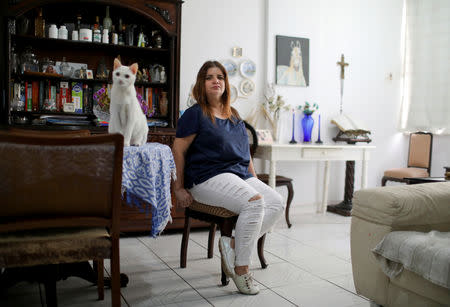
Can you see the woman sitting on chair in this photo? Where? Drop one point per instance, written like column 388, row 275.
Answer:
column 214, row 167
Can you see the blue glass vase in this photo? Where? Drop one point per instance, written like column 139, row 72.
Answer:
column 307, row 125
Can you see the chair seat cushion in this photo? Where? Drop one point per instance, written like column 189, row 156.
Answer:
column 51, row 246
column 407, row 172
column 213, row 210
column 278, row 179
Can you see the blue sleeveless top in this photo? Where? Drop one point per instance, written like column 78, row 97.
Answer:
column 218, row 148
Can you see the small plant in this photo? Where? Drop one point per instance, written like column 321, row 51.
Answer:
column 274, row 103
column 308, row 109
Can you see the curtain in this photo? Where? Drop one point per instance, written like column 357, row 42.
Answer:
column 426, row 66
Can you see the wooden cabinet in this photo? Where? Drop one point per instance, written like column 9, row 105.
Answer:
column 158, row 20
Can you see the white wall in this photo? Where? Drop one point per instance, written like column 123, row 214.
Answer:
column 366, row 32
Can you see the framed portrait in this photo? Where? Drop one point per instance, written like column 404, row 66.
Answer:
column 264, row 137
column 89, row 74
column 237, row 52
column 292, row 61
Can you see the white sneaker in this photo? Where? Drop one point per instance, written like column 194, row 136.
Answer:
column 245, row 284
column 228, row 255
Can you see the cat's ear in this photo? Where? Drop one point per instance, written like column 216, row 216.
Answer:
column 117, row 63
column 134, row 68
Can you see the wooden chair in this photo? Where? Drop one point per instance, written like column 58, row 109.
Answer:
column 419, row 159
column 279, row 180
column 226, row 221
column 48, row 133
column 61, row 204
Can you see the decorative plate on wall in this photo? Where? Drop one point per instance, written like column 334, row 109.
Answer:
column 231, row 67
column 248, row 69
column 247, row 87
column 233, row 93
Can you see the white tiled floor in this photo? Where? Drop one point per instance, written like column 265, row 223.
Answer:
column 309, row 265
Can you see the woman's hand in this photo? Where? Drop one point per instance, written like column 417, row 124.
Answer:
column 183, row 197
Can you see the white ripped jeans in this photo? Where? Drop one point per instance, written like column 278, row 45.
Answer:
column 256, row 217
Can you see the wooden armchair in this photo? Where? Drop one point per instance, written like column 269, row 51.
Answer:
column 419, row 159
column 60, row 203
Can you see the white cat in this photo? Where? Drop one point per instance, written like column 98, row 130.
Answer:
column 126, row 116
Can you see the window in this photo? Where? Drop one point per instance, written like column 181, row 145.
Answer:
column 426, row 66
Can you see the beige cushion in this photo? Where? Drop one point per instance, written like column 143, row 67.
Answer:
column 419, row 150
column 406, row 172
column 419, row 204
column 51, row 246
column 416, row 284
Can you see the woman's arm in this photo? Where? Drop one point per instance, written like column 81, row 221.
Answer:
column 179, row 149
column 251, row 169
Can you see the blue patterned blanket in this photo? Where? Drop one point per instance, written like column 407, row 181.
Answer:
column 147, row 172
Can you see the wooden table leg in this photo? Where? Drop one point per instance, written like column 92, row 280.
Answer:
column 344, row 208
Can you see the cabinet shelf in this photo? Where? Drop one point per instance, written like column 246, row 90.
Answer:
column 39, row 113
column 52, row 43
column 43, row 76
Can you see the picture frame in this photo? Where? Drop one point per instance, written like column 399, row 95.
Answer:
column 89, row 74
column 292, row 61
column 237, row 52
column 264, row 136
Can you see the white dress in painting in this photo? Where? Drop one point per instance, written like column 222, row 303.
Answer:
column 292, row 74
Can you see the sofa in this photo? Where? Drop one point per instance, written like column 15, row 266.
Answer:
column 379, row 211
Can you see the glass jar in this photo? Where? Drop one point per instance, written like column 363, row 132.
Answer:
column 29, row 61
column 65, row 68
column 47, row 65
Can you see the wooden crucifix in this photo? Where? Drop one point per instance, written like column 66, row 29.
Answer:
column 342, row 64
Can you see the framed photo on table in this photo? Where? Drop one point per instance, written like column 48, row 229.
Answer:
column 264, row 137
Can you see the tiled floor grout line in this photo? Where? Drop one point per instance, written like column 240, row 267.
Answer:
column 150, row 249
column 322, row 278
column 121, row 294
column 255, row 278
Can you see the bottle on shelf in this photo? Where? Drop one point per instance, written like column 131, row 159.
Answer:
column 39, row 25
column 142, row 39
column 78, row 22
column 76, row 31
column 97, row 34
column 53, row 31
column 122, row 35
column 107, row 22
column 105, row 36
column 114, row 36
column 62, row 32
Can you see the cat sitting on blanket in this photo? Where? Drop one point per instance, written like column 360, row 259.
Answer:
column 126, row 116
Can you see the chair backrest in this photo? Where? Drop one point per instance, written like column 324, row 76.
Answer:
column 420, row 148
column 48, row 133
column 60, row 181
column 252, row 138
